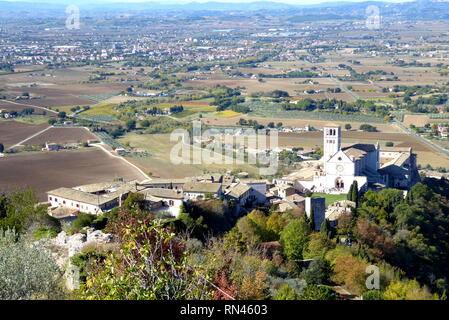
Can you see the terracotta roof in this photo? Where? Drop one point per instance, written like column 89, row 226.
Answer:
column 84, row 197
column 163, row 193
column 238, row 190
column 201, row 187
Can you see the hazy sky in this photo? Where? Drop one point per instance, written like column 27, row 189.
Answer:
column 186, row 1
column 282, row 1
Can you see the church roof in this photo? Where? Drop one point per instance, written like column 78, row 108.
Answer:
column 358, row 151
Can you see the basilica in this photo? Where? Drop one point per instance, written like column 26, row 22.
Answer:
column 370, row 165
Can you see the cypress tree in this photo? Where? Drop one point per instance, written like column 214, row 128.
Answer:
column 355, row 193
column 312, row 220
column 349, row 195
column 325, row 228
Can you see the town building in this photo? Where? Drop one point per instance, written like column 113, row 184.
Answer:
column 201, row 190
column 341, row 166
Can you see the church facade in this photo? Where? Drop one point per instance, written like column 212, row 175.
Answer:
column 367, row 164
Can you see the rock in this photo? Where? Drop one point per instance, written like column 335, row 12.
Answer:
column 100, row 237
column 61, row 239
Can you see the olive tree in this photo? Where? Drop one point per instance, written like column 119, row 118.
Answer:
column 27, row 271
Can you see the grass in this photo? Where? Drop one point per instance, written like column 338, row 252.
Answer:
column 67, row 108
column 159, row 147
column 331, row 198
column 101, row 109
column 32, row 119
column 228, row 114
column 190, row 110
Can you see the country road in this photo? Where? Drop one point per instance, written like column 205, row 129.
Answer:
column 408, row 131
column 30, row 105
column 121, row 158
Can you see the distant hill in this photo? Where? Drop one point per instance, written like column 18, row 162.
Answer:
column 423, row 9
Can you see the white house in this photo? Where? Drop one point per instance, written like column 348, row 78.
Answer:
column 199, row 190
column 82, row 201
column 171, row 200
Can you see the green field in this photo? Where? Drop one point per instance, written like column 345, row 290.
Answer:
column 331, row 198
column 30, row 119
column 159, row 163
column 101, row 109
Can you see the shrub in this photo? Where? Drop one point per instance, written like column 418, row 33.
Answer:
column 45, row 232
column 372, row 295
column 314, row 292
column 83, row 220
column 286, row 293
column 26, row 272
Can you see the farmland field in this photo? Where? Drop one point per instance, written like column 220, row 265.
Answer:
column 62, row 136
column 227, row 114
column 51, row 170
column 418, row 120
column 318, row 124
column 12, row 132
column 159, row 163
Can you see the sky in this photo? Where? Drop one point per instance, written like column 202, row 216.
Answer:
column 299, row 2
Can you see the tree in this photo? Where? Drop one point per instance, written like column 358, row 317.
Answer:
column 318, row 245
column 286, row 293
column 27, row 272
column 325, row 228
column 130, row 125
column 408, row 290
column 150, row 265
column 314, row 292
column 349, row 195
column 348, row 126
column 353, row 194
column 134, row 202
column 62, row 115
column 350, row 272
column 2, row 148
column 18, row 210
column 276, row 223
column 318, row 272
column 145, row 123
column 311, row 220
column 294, row 239
column 51, row 121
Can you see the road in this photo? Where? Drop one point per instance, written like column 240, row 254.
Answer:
column 30, row 137
column 345, row 89
column 408, row 131
column 101, row 146
column 30, row 105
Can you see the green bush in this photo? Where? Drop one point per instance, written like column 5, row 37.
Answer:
column 45, row 232
column 372, row 295
column 83, row 220
column 27, row 272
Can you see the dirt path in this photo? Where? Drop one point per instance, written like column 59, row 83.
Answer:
column 31, row 105
column 30, row 137
column 101, row 146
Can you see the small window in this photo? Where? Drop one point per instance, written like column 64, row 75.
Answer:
column 339, row 158
column 50, row 198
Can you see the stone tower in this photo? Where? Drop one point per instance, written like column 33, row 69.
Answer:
column 332, row 141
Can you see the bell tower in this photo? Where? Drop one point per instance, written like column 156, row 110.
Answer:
column 332, row 141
